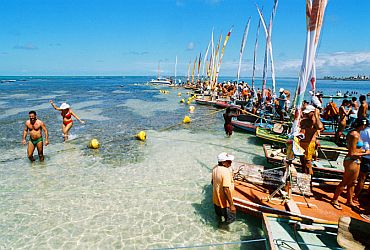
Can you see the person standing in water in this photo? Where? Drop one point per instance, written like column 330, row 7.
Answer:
column 228, row 126
column 67, row 114
column 223, row 188
column 34, row 126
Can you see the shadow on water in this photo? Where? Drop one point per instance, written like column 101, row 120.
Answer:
column 206, row 211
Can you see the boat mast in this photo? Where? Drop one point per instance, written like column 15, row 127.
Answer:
column 315, row 10
column 175, row 69
column 244, row 40
column 255, row 57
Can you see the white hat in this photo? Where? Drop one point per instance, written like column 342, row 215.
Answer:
column 225, row 157
column 281, row 90
column 64, row 106
column 309, row 109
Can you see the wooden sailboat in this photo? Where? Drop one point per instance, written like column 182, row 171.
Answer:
column 290, row 232
column 258, row 191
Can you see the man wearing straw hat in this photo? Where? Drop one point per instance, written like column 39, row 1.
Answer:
column 223, row 187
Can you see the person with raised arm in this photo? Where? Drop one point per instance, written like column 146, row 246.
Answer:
column 66, row 113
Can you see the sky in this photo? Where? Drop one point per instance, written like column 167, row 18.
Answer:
column 131, row 37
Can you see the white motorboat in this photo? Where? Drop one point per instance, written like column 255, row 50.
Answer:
column 160, row 81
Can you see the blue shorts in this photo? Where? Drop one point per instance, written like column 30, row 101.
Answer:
column 365, row 165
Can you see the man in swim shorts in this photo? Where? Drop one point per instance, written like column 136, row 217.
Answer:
column 310, row 126
column 34, row 126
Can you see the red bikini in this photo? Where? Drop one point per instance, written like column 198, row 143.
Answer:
column 67, row 116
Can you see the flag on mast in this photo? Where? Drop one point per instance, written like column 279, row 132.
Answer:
column 223, row 52
column 244, row 40
column 315, row 10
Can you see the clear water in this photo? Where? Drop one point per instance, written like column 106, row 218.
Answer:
column 128, row 194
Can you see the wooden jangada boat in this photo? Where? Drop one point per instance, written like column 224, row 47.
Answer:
column 259, row 191
column 329, row 165
column 272, row 137
column 289, row 232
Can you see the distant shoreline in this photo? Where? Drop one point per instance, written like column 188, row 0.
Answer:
column 350, row 78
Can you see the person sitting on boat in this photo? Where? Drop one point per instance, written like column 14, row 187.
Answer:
column 362, row 110
column 310, row 127
column 282, row 104
column 245, row 93
column 223, row 188
column 331, row 111
column 227, row 117
column 342, row 121
column 351, row 163
column 67, row 114
column 365, row 161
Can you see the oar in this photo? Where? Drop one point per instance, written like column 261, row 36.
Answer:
column 322, row 151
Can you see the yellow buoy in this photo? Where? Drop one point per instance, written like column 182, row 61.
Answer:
column 182, row 100
column 94, row 144
column 141, row 136
column 186, row 119
column 188, row 102
column 179, row 94
column 191, row 108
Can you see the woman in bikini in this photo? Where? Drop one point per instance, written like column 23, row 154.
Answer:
column 67, row 114
column 351, row 163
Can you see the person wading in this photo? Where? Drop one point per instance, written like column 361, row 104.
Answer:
column 223, row 188
column 34, row 126
column 228, row 126
column 67, row 114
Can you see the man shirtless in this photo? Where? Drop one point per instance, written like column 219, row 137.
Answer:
column 34, row 126
column 362, row 110
column 310, row 126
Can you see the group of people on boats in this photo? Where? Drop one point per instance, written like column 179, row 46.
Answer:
column 352, row 114
column 35, row 127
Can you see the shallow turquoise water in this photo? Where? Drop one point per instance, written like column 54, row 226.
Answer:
column 127, row 194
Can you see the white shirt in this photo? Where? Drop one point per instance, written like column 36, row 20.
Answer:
column 365, row 137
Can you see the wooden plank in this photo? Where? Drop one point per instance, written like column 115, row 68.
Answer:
column 268, row 233
column 292, row 207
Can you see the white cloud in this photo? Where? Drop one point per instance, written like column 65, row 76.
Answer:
column 337, row 63
column 26, row 47
column 190, row 46
column 334, row 64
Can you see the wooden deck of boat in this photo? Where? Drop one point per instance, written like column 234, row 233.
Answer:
column 320, row 206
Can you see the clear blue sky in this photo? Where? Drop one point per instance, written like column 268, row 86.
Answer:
column 130, row 37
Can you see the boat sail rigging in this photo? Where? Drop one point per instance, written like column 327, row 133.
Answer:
column 315, row 10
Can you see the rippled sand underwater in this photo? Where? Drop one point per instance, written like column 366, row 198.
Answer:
column 128, row 194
